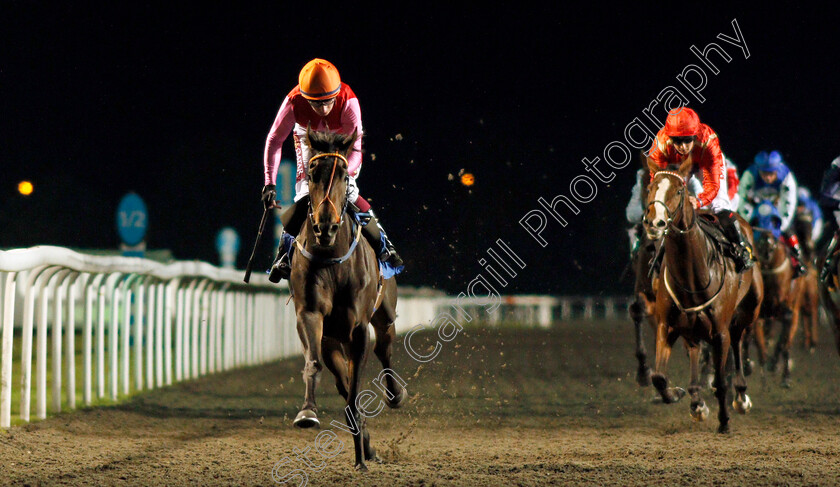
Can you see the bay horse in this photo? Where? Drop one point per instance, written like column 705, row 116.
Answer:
column 337, row 292
column 701, row 297
column 644, row 288
column 782, row 296
column 809, row 308
column 830, row 291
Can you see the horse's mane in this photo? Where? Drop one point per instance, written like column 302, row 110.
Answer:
column 326, row 141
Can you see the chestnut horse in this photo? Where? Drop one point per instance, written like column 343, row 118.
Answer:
column 701, row 297
column 336, row 287
column 782, row 295
column 809, row 307
column 644, row 287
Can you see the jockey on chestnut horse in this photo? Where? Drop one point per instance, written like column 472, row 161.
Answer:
column 702, row 296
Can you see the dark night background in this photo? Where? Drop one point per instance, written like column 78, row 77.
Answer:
column 174, row 102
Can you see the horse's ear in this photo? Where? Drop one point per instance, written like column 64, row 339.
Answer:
column 685, row 167
column 348, row 141
column 652, row 167
column 308, row 138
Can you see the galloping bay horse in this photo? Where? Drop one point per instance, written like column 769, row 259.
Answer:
column 701, row 297
column 337, row 292
column 830, row 292
column 782, row 295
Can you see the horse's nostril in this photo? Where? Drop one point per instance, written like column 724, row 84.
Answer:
column 660, row 223
column 317, row 229
column 333, row 228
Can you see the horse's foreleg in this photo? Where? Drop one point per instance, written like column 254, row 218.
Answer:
column 664, row 342
column 720, row 352
column 637, row 312
column 361, row 439
column 310, row 329
column 699, row 410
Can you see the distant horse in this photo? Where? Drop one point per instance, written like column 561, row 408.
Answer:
column 810, row 302
column 701, row 297
column 644, row 289
column 830, row 292
column 782, row 296
column 336, row 286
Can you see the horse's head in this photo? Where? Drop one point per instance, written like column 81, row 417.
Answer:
column 667, row 196
column 767, row 230
column 766, row 245
column 327, row 174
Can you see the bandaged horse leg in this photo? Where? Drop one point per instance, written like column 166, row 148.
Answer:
column 292, row 220
column 376, row 236
column 732, row 230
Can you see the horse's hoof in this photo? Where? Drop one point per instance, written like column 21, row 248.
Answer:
column 399, row 400
column 699, row 413
column 678, row 393
column 742, row 407
column 723, row 429
column 307, row 419
column 748, row 367
column 375, row 459
column 770, row 366
column 812, row 349
column 786, row 383
column 361, row 467
column 643, row 376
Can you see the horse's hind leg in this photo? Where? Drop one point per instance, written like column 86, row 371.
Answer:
column 699, row 410
column 742, row 403
column 310, row 330
column 383, row 325
column 720, row 352
column 361, row 439
column 637, row 312
column 336, row 362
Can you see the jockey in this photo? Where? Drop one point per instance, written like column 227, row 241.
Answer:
column 770, row 178
column 682, row 137
column 320, row 101
column 830, row 204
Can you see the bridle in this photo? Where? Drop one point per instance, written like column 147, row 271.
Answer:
column 671, row 215
column 339, row 217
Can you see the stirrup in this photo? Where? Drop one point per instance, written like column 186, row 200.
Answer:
column 743, row 258
column 280, row 269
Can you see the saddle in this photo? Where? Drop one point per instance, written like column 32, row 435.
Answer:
column 710, row 225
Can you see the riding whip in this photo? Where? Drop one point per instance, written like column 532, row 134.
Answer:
column 256, row 244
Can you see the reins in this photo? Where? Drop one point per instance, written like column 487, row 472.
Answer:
column 312, row 213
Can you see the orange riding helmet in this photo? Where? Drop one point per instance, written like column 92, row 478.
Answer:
column 319, row 80
column 684, row 123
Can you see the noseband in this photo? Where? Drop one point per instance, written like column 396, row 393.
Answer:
column 678, row 209
column 339, row 217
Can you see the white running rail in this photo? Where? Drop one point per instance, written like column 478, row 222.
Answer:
column 159, row 323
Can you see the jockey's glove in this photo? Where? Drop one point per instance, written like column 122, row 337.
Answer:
column 269, row 195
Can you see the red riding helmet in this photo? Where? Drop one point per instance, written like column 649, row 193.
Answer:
column 684, row 123
column 319, row 80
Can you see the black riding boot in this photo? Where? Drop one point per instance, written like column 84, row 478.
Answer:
column 742, row 252
column 292, row 220
column 373, row 232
